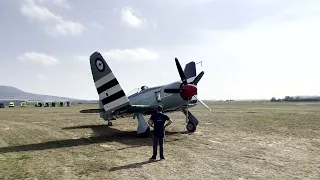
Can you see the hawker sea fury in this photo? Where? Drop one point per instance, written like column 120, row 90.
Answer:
column 175, row 96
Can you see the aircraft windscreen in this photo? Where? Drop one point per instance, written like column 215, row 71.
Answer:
column 137, row 90
column 134, row 91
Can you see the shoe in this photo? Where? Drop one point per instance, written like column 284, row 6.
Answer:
column 153, row 158
column 162, row 158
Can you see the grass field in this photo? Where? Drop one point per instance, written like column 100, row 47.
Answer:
column 234, row 141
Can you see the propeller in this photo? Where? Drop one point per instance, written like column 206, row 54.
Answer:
column 187, row 90
column 203, row 103
column 197, row 79
column 181, row 73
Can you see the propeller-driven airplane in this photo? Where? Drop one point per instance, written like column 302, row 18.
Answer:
column 175, row 96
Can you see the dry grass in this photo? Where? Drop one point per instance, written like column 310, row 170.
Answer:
column 234, row 141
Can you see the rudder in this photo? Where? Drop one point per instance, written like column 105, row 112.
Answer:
column 110, row 92
column 190, row 71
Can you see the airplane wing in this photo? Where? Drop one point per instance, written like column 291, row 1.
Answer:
column 130, row 109
column 91, row 110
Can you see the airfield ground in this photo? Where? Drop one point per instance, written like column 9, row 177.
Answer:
column 235, row 141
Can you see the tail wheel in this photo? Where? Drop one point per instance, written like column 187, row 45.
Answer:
column 110, row 123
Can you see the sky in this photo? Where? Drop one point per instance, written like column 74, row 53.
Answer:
column 250, row 49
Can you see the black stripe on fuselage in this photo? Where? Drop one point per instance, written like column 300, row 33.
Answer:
column 107, row 85
column 113, row 97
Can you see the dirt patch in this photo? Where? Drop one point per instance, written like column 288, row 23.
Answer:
column 281, row 141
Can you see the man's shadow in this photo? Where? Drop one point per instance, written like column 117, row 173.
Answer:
column 133, row 165
column 101, row 134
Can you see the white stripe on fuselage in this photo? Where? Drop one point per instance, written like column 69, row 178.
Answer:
column 110, row 91
column 104, row 80
column 116, row 103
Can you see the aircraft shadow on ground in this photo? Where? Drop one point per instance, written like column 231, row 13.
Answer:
column 101, row 134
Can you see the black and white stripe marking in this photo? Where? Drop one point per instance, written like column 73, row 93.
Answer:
column 110, row 92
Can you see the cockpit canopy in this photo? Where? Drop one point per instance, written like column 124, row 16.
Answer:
column 137, row 90
column 143, row 87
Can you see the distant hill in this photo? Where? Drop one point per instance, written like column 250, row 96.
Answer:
column 9, row 93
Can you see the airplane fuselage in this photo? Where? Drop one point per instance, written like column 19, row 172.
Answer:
column 157, row 96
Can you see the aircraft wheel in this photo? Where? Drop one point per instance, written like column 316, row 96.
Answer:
column 191, row 127
column 109, row 123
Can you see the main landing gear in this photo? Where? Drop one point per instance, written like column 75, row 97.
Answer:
column 191, row 121
column 143, row 129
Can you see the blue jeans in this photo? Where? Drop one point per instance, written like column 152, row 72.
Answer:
column 156, row 141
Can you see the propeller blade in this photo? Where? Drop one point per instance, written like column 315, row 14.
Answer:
column 203, row 103
column 181, row 73
column 198, row 78
column 172, row 90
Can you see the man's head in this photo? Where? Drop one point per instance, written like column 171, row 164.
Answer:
column 160, row 108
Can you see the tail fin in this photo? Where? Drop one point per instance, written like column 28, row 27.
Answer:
column 190, row 71
column 110, row 92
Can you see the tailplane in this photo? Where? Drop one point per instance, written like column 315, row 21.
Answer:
column 111, row 94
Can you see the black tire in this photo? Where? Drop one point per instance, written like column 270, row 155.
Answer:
column 191, row 127
column 109, row 123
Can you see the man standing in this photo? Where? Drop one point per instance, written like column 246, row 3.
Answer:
column 157, row 121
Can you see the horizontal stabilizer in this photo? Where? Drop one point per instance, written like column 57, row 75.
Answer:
column 91, row 110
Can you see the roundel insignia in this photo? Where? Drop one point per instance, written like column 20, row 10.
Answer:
column 99, row 65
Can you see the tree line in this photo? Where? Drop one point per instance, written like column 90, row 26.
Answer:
column 296, row 99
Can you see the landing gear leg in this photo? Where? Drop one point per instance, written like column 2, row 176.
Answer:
column 192, row 121
column 143, row 129
column 109, row 120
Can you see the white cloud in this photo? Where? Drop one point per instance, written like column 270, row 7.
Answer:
column 42, row 58
column 131, row 20
column 139, row 54
column 182, row 3
column 32, row 11
column 61, row 3
column 55, row 25
column 82, row 58
column 133, row 55
column 65, row 28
